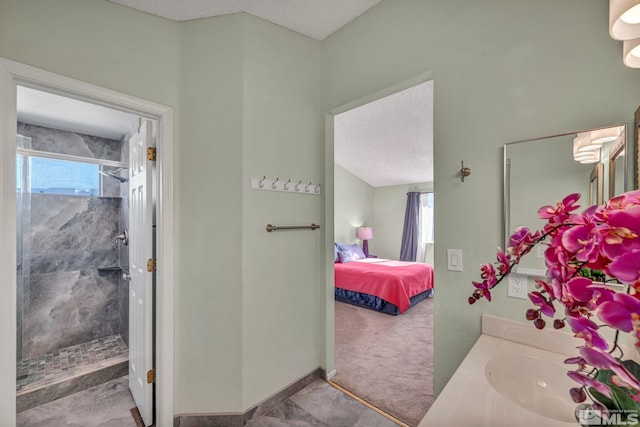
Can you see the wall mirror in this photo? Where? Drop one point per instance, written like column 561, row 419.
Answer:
column 542, row 171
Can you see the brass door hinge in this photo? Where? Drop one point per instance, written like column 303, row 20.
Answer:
column 151, row 264
column 151, row 376
column 151, row 153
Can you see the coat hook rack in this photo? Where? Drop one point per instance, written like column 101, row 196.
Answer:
column 286, row 186
column 464, row 172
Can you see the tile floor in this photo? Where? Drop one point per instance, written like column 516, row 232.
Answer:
column 106, row 405
column 109, row 404
column 51, row 366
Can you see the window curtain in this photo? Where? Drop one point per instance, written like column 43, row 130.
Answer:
column 411, row 231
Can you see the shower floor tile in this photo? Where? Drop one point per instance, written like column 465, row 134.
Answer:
column 65, row 361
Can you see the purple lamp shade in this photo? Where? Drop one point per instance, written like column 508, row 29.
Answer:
column 365, row 234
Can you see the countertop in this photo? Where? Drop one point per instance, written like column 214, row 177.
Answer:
column 470, row 400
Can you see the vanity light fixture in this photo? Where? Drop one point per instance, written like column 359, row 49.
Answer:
column 584, row 151
column 624, row 24
column 584, row 142
column 631, row 53
column 600, row 136
column 624, row 19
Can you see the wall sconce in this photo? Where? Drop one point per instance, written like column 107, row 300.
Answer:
column 365, row 234
column 464, row 172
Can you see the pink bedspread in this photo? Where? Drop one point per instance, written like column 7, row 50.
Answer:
column 393, row 281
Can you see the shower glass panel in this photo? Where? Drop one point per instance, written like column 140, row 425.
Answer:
column 23, row 215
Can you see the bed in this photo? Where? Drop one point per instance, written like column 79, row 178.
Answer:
column 383, row 285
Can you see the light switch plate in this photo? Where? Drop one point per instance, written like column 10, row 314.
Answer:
column 454, row 259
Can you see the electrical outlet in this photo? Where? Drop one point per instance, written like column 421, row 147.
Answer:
column 517, row 286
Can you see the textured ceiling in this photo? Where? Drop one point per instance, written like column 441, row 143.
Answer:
column 314, row 18
column 389, row 141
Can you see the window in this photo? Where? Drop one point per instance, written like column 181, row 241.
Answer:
column 54, row 176
column 426, row 218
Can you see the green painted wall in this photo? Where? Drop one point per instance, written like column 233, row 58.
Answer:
column 208, row 289
column 353, row 200
column 283, row 127
column 503, row 71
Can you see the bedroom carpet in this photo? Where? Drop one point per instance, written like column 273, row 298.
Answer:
column 387, row 360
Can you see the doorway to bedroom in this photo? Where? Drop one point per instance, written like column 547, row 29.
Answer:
column 383, row 225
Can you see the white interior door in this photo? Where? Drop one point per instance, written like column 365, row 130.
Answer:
column 141, row 283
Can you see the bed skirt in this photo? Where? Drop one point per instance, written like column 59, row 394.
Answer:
column 375, row 303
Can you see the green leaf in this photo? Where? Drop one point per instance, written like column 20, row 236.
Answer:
column 632, row 367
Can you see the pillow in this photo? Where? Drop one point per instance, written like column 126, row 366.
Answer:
column 347, row 256
column 353, row 249
column 336, row 258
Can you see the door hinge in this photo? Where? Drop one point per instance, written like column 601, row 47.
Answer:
column 151, row 153
column 151, row 264
column 151, row 376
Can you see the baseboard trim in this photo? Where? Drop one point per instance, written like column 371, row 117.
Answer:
column 330, row 375
column 240, row 419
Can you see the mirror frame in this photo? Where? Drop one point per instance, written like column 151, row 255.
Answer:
column 506, row 167
column 596, row 185
column 636, row 159
column 614, row 152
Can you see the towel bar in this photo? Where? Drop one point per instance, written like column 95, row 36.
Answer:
column 271, row 228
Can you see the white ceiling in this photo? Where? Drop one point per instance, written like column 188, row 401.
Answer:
column 58, row 112
column 314, row 18
column 389, row 141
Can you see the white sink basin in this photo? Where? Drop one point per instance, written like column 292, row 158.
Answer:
column 535, row 384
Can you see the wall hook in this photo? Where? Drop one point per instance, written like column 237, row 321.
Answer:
column 318, row 189
column 298, row 184
column 263, row 178
column 275, row 183
column 464, row 171
column 286, row 186
column 306, row 188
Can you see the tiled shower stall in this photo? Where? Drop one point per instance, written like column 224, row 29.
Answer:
column 72, row 293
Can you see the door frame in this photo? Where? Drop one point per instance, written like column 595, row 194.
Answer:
column 13, row 74
column 329, row 361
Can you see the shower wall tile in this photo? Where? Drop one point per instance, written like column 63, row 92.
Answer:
column 70, row 307
column 70, row 233
column 123, row 309
column 64, row 142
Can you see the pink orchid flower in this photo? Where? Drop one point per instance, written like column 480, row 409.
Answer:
column 601, row 360
column 545, row 305
column 587, row 381
column 561, row 210
column 581, row 240
column 621, row 233
column 586, row 329
column 626, row 267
